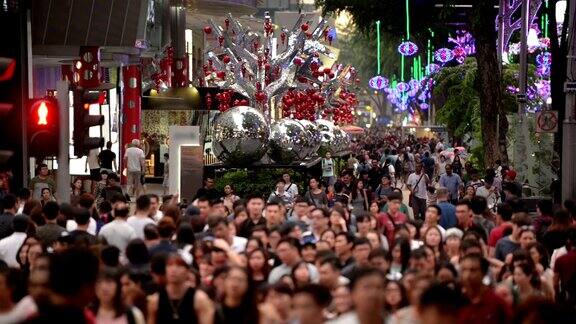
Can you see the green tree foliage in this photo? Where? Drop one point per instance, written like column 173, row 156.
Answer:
column 457, row 101
column 260, row 182
column 424, row 15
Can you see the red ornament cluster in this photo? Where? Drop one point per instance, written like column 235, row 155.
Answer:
column 342, row 111
column 302, row 104
column 224, row 99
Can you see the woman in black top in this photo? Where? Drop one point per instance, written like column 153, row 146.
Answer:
column 238, row 304
column 457, row 165
column 258, row 266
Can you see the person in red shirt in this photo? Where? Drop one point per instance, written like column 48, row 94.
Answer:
column 485, row 306
column 393, row 217
column 503, row 216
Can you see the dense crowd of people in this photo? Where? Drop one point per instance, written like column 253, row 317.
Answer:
column 409, row 232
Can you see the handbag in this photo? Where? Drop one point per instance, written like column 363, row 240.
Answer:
column 410, row 198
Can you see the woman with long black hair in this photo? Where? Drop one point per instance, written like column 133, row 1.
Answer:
column 360, row 199
column 238, row 304
column 258, row 266
column 109, row 306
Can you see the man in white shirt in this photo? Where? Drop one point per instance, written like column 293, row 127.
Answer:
column 135, row 165
column 10, row 245
column 417, row 184
column 221, row 229
column 280, row 195
column 94, row 165
column 118, row 232
column 490, row 192
column 155, row 211
column 141, row 217
column 290, row 187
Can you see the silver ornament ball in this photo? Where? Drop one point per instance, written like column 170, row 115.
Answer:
column 240, row 136
column 314, row 139
column 341, row 140
column 288, row 140
column 327, row 143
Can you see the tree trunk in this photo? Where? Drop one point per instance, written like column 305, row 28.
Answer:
column 559, row 50
column 489, row 81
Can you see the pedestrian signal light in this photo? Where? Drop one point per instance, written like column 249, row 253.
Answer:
column 43, row 127
column 42, row 114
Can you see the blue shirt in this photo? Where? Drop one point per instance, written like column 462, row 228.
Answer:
column 452, row 183
column 448, row 216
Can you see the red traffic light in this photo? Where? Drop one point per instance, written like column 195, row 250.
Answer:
column 43, row 127
column 42, row 112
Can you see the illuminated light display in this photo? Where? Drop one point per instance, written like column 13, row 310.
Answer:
column 444, row 55
column 378, row 82
column 407, row 48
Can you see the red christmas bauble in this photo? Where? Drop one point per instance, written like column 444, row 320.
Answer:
column 304, row 27
column 226, row 59
column 260, row 96
column 208, row 30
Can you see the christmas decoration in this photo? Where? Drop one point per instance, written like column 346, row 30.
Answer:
column 240, row 136
column 288, row 139
column 407, row 48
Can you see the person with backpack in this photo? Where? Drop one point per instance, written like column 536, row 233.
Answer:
column 417, row 184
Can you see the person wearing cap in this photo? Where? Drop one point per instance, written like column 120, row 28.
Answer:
column 134, row 159
column 191, row 212
column 448, row 210
column 510, row 186
column 178, row 301
column 10, row 245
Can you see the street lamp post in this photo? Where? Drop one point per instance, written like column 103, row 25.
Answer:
column 569, row 123
column 520, row 154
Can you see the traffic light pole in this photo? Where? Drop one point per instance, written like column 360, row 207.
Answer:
column 63, row 176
